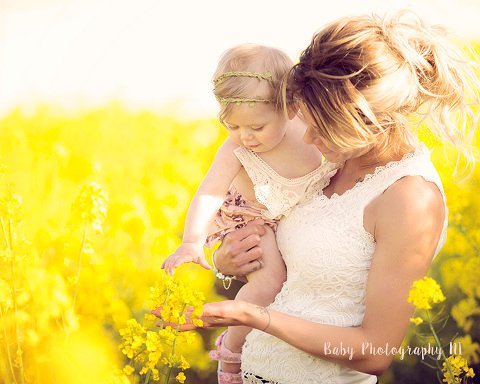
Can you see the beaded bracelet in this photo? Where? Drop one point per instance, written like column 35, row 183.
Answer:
column 226, row 279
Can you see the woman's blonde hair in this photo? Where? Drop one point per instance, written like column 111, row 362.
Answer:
column 362, row 77
column 251, row 58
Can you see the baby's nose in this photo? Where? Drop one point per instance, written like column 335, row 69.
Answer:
column 246, row 135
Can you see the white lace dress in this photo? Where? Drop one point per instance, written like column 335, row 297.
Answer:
column 328, row 255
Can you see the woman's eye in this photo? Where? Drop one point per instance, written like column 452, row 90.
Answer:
column 230, row 127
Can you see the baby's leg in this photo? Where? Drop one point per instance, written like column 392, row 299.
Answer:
column 262, row 287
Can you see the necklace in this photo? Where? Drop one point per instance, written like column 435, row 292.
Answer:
column 358, row 179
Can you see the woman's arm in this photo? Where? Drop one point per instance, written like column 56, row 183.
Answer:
column 203, row 207
column 408, row 222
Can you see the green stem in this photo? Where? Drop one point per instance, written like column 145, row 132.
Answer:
column 147, row 377
column 162, row 322
column 436, row 366
column 79, row 266
column 7, row 233
column 167, row 380
column 449, row 368
column 5, row 336
column 138, row 353
column 172, row 352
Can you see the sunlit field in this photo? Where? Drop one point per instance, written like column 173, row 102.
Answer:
column 92, row 202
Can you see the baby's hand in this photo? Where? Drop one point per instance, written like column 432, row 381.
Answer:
column 187, row 252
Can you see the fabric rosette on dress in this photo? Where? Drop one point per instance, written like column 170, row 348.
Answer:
column 235, row 213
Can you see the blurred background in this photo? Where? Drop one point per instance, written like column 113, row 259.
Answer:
column 107, row 126
column 151, row 53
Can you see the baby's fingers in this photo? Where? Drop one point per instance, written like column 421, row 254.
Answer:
column 168, row 265
column 204, row 263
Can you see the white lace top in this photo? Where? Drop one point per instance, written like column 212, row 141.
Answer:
column 328, row 255
column 277, row 193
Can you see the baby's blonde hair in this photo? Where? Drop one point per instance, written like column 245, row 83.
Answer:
column 362, row 77
column 251, row 58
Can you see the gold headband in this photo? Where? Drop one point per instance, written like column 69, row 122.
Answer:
column 240, row 99
column 259, row 75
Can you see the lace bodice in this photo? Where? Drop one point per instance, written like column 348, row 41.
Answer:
column 277, row 193
column 328, row 255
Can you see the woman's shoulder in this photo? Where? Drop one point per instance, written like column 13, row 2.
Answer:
column 412, row 198
column 409, row 220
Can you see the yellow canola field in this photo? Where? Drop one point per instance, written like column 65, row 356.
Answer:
column 92, row 202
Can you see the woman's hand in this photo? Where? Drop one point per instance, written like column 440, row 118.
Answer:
column 239, row 251
column 224, row 314
column 219, row 314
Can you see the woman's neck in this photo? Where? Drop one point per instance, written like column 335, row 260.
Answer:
column 378, row 156
column 356, row 168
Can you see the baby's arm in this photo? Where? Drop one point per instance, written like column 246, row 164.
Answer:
column 203, row 208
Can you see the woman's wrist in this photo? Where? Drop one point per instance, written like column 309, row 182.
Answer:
column 226, row 279
column 257, row 317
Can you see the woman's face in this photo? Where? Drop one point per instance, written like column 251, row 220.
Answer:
column 330, row 151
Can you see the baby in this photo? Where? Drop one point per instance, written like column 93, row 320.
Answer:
column 264, row 168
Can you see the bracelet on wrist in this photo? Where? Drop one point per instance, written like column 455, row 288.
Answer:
column 226, row 279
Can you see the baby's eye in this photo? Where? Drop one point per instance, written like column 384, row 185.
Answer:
column 259, row 128
column 230, row 127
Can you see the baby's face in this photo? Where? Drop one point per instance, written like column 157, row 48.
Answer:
column 257, row 126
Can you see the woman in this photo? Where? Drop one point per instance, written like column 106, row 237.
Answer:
column 353, row 251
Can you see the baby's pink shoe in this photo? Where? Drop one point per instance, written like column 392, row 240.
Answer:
column 222, row 353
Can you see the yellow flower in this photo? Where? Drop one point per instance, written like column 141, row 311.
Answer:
column 128, row 369
column 416, row 320
column 5, row 294
column 153, row 342
column 457, row 366
column 183, row 364
column 464, row 312
column 468, row 282
column 146, row 212
column 10, row 204
column 175, row 296
column 90, row 206
column 470, row 349
column 197, row 322
column 181, row 377
column 424, row 293
column 133, row 338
